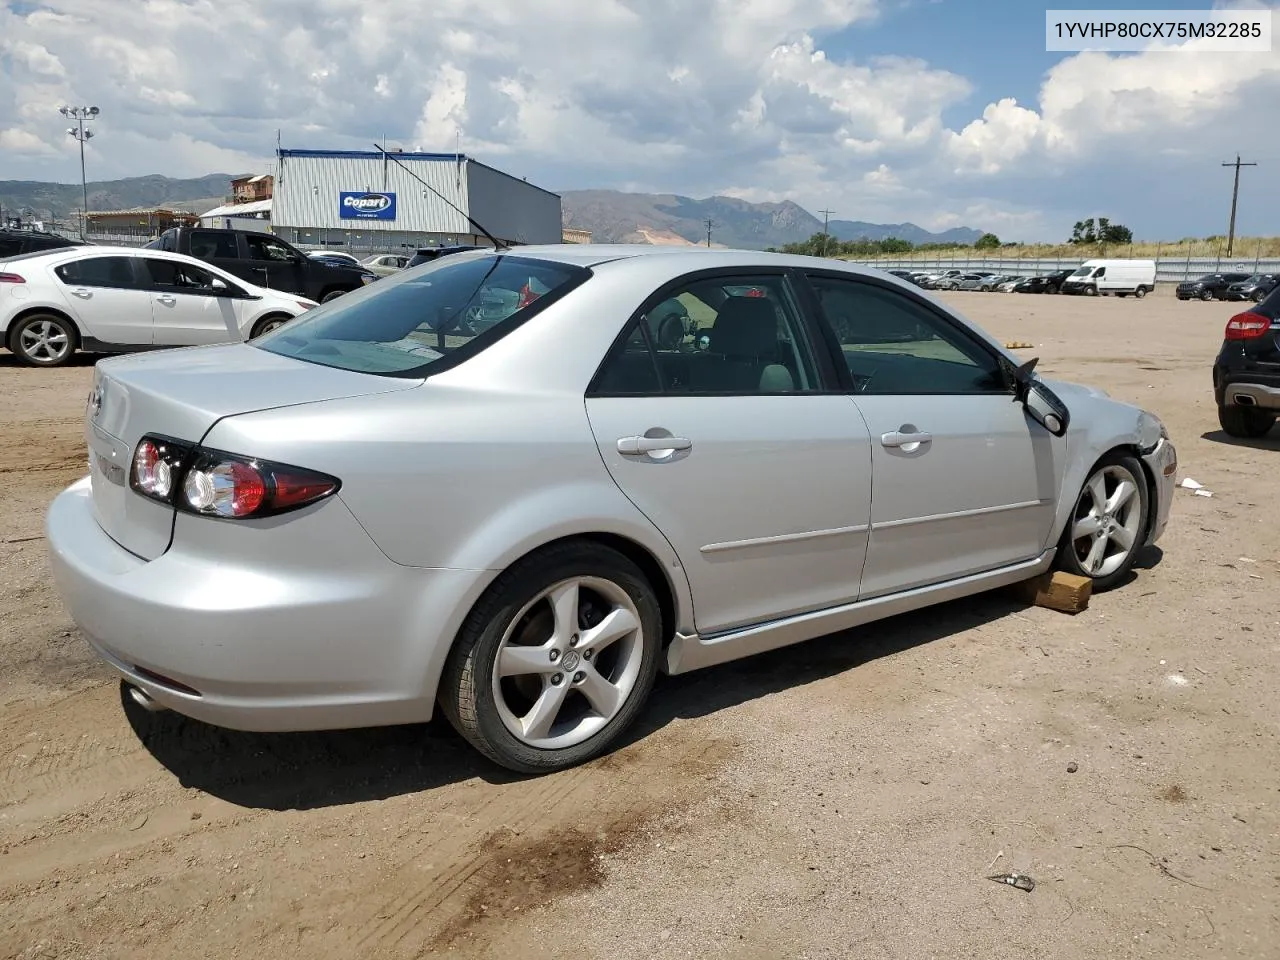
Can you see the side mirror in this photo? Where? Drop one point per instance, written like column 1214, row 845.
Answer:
column 1043, row 405
column 219, row 287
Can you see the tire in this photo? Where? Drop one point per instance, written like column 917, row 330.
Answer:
column 1245, row 422
column 1077, row 549
column 1206, row 295
column 1258, row 296
column 521, row 606
column 1140, row 292
column 1090, row 291
column 331, row 295
column 267, row 324
column 44, row 340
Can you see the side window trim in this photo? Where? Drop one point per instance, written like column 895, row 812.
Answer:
column 837, row 354
column 827, row 372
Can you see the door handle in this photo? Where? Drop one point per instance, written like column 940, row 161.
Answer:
column 165, row 298
column 896, row 439
column 637, row 446
column 82, row 293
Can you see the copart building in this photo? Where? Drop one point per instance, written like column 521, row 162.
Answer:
column 369, row 201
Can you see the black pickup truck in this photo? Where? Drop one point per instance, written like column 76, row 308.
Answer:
column 264, row 260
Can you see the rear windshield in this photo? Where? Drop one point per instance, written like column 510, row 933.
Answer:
column 426, row 318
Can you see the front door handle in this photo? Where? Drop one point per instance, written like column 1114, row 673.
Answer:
column 639, row 446
column 82, row 293
column 897, row 439
column 165, row 298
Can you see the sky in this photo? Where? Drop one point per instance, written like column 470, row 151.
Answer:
column 939, row 112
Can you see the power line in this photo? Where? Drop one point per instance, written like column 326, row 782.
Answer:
column 1235, row 195
column 826, row 219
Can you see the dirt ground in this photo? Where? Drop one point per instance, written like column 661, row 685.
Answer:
column 845, row 798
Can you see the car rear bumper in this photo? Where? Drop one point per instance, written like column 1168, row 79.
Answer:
column 346, row 639
column 1162, row 462
column 1244, row 385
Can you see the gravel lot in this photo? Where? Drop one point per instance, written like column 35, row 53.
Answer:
column 845, row 798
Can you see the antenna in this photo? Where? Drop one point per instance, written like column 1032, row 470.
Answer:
column 497, row 244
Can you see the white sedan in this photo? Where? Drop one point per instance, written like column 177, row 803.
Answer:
column 118, row 299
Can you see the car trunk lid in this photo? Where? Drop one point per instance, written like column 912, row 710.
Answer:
column 180, row 394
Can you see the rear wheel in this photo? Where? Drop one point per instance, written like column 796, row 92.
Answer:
column 556, row 660
column 331, row 295
column 1247, row 422
column 1140, row 292
column 43, row 340
column 1104, row 532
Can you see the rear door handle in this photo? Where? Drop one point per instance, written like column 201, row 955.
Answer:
column 896, row 439
column 165, row 298
column 82, row 293
column 638, row 446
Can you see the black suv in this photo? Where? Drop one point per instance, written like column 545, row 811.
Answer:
column 1208, row 287
column 1246, row 374
column 264, row 260
column 14, row 243
column 1255, row 288
column 427, row 254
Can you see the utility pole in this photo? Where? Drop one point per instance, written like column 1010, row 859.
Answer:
column 1235, row 195
column 710, row 223
column 80, row 115
column 826, row 219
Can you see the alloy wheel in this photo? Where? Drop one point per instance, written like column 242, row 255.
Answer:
column 1106, row 524
column 44, row 342
column 568, row 663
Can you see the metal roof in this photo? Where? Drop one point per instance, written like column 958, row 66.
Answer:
column 239, row 209
column 368, row 155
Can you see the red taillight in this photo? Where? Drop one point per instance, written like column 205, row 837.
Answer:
column 224, row 485
column 11, row 278
column 1247, row 326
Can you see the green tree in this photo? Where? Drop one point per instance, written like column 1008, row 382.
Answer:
column 988, row 241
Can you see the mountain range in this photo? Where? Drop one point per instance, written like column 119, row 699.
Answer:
column 611, row 215
column 616, row 217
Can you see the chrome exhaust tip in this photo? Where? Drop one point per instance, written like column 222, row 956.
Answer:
column 1244, row 400
column 145, row 700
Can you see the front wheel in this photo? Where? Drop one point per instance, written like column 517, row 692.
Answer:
column 1258, row 296
column 1091, row 291
column 1246, row 422
column 332, row 295
column 556, row 660
column 1105, row 530
column 266, row 325
column 1206, row 295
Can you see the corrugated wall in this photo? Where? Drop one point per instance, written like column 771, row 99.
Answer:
column 511, row 209
column 307, row 191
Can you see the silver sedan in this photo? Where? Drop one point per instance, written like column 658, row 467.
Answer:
column 386, row 505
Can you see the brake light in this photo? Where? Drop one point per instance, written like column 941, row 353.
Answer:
column 11, row 278
column 225, row 485
column 1247, row 326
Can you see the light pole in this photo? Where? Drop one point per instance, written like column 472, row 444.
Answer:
column 80, row 115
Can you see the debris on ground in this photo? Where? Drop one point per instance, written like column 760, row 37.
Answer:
column 1195, row 487
column 1072, row 767
column 1019, row 880
column 1018, row 345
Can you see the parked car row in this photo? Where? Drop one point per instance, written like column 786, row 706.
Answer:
column 1229, row 286
column 1121, row 278
column 984, row 280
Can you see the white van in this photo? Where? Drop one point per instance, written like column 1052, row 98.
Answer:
column 1120, row 277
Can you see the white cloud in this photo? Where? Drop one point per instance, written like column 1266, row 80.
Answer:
column 739, row 97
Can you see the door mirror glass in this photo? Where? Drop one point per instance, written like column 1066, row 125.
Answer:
column 219, row 286
column 1043, row 405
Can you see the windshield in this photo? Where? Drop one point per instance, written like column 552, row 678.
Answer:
column 402, row 326
column 1082, row 271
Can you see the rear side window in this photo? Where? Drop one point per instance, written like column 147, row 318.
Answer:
column 98, row 272
column 402, row 326
column 209, row 244
column 265, row 248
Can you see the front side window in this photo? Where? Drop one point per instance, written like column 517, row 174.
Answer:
column 98, row 272
column 265, row 248
column 403, row 325
column 715, row 335
column 179, row 277
column 894, row 345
